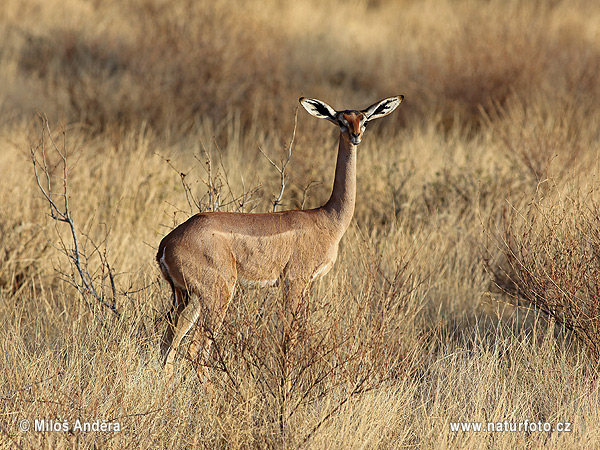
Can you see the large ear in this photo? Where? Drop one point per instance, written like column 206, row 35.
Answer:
column 382, row 108
column 318, row 109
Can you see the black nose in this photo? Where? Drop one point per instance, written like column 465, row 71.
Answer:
column 355, row 134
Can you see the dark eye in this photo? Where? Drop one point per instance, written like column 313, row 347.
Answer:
column 344, row 122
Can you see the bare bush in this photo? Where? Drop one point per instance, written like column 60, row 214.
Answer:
column 548, row 257
column 339, row 351
column 90, row 270
column 217, row 194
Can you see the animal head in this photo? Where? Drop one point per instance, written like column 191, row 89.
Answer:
column 352, row 123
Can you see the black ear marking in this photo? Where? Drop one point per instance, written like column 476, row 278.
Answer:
column 320, row 109
column 383, row 107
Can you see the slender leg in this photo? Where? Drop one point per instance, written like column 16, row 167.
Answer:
column 180, row 299
column 294, row 292
column 187, row 319
column 294, row 296
column 214, row 313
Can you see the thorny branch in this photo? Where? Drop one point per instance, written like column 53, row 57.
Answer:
column 58, row 203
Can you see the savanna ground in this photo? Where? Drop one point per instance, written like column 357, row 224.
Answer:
column 466, row 288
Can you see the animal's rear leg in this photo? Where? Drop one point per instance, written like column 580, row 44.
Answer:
column 186, row 320
column 180, row 299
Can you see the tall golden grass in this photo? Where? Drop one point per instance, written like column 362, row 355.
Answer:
column 464, row 291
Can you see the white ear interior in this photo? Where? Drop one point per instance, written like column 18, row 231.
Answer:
column 318, row 108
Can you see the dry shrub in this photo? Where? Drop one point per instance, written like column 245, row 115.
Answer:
column 348, row 341
column 90, row 271
column 455, row 191
column 548, row 258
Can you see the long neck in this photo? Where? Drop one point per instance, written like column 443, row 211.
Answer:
column 340, row 206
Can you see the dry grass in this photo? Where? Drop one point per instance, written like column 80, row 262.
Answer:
column 490, row 163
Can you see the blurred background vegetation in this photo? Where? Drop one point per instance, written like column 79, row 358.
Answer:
column 168, row 64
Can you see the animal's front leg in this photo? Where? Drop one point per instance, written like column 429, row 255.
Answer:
column 293, row 307
column 217, row 297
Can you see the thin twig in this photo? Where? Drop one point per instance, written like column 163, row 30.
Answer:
column 282, row 176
